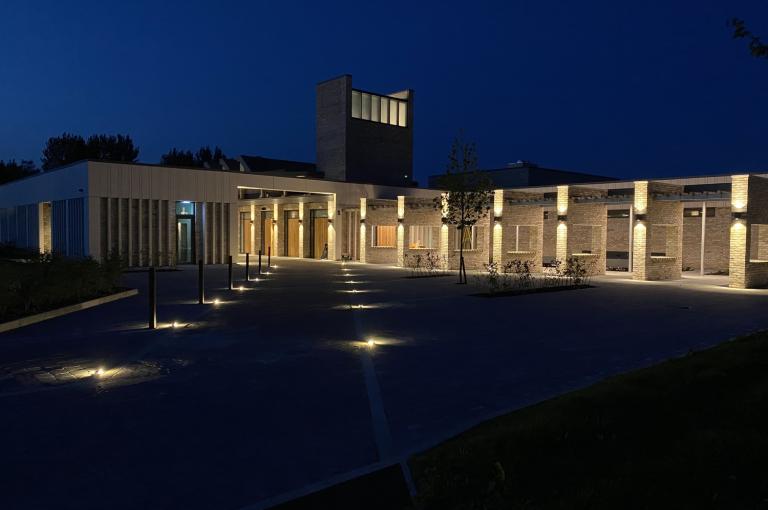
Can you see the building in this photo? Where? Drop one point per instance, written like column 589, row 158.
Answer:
column 364, row 136
column 526, row 173
column 654, row 229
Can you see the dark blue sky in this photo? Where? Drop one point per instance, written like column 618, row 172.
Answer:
column 654, row 88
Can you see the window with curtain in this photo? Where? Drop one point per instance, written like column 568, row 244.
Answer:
column 422, row 237
column 469, row 240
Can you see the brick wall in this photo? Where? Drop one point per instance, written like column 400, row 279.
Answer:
column 421, row 213
column 549, row 226
column 528, row 222
column 587, row 227
column 716, row 242
column 380, row 212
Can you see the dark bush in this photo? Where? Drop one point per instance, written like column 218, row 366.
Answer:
column 33, row 283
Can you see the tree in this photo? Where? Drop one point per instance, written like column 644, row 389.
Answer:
column 63, row 150
column 176, row 157
column 756, row 47
column 68, row 148
column 112, row 148
column 12, row 171
column 468, row 196
column 203, row 158
column 207, row 158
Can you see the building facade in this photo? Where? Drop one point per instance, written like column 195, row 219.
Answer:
column 364, row 209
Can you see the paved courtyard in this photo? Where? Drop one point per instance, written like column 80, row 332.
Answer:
column 274, row 388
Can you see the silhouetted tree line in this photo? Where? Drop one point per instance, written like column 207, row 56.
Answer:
column 67, row 148
column 203, row 158
column 11, row 170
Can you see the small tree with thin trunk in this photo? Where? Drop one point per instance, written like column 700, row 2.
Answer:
column 468, row 196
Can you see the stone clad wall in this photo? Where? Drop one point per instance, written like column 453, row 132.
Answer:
column 716, row 241
column 421, row 212
column 667, row 213
column 549, row 246
column 587, row 231
column 473, row 259
column 380, row 212
column 530, row 246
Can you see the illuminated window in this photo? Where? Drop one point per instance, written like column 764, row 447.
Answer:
column 383, row 236
column 695, row 212
column 469, row 240
column 375, row 105
column 356, row 104
column 185, row 208
column 384, row 109
column 422, row 237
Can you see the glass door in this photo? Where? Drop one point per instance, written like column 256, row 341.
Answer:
column 185, row 239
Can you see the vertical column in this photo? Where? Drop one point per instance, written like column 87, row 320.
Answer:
column 301, row 230
column 140, row 236
column 498, row 209
column 332, row 227
column 363, row 238
column 151, row 225
column 630, row 237
column 444, row 232
column 253, row 248
column 561, row 246
column 703, row 235
column 739, row 253
column 400, row 230
column 171, row 226
column 199, row 232
column 224, row 244
column 215, row 235
column 640, row 254
column 276, row 224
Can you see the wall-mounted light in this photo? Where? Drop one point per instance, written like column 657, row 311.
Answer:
column 400, row 220
column 444, row 220
column 362, row 221
column 330, row 220
column 738, row 215
column 562, row 217
column 274, row 221
column 641, row 217
column 497, row 219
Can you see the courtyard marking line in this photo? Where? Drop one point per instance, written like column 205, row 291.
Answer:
column 381, row 430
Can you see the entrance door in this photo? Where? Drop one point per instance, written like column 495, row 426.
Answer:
column 319, row 233
column 292, row 233
column 266, row 234
column 185, row 234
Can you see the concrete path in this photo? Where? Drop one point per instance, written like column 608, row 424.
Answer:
column 275, row 388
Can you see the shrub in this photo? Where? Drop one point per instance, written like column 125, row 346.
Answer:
column 44, row 282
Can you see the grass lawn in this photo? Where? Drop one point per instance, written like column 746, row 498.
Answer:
column 688, row 433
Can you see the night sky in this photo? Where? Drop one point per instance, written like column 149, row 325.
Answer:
column 615, row 88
